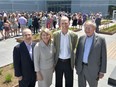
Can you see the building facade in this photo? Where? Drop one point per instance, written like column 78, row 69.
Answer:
column 88, row 6
column 84, row 6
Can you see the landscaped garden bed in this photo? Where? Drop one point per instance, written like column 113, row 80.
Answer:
column 7, row 78
column 103, row 22
column 109, row 30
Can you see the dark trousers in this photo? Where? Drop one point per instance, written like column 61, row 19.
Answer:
column 35, row 29
column 97, row 28
column 54, row 24
column 64, row 68
column 27, row 83
column 30, row 27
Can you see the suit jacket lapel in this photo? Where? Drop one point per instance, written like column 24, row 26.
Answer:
column 33, row 44
column 70, row 40
column 58, row 41
column 26, row 52
column 93, row 43
column 83, row 43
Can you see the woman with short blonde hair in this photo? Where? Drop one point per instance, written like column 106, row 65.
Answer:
column 44, row 59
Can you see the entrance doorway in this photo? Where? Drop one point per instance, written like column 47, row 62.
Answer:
column 57, row 6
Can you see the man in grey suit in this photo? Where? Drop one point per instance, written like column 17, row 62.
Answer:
column 65, row 43
column 91, row 57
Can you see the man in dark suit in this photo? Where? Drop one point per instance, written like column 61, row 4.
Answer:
column 98, row 22
column 23, row 61
column 91, row 57
column 35, row 23
column 65, row 43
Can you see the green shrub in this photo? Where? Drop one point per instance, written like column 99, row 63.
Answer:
column 8, row 78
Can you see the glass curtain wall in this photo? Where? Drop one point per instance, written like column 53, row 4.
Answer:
column 57, row 6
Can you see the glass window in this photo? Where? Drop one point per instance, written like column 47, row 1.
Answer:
column 59, row 6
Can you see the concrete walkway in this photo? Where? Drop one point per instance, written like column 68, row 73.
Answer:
column 6, row 48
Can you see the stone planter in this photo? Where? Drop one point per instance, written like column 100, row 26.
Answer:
column 19, row 40
column 16, row 85
column 75, row 30
column 108, row 33
column 35, row 37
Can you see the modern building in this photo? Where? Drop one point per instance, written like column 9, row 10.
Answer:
column 84, row 6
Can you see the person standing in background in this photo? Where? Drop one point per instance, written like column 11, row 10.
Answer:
column 98, row 22
column 1, row 27
column 23, row 22
column 35, row 23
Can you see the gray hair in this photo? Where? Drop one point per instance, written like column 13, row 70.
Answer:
column 90, row 22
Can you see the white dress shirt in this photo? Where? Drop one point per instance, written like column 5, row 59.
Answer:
column 65, row 51
column 29, row 47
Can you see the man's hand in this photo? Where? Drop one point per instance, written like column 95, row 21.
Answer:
column 39, row 76
column 101, row 75
column 20, row 78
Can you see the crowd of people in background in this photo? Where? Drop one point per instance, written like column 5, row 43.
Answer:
column 12, row 24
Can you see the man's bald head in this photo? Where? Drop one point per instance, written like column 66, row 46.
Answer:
column 64, row 24
column 27, row 35
column 64, row 18
column 26, row 30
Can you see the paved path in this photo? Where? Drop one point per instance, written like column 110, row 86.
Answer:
column 6, row 48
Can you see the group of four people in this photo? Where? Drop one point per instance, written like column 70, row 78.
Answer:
column 37, row 62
